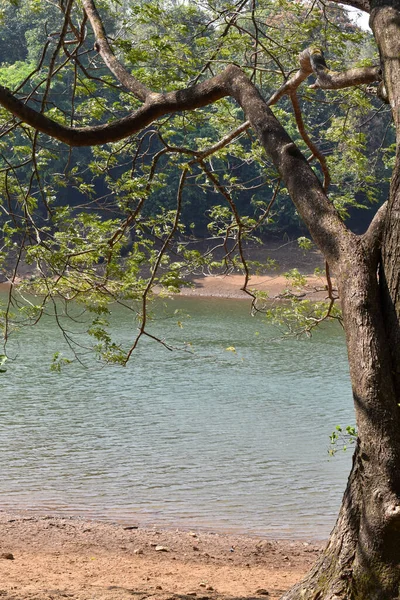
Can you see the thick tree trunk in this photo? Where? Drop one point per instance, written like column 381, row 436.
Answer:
column 362, row 558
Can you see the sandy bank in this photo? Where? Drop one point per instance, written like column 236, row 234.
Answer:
column 229, row 286
column 71, row 558
column 276, row 286
column 287, row 256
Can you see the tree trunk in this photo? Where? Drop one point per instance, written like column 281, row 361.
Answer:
column 362, row 558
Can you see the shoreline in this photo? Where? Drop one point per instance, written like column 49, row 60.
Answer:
column 56, row 557
column 276, row 287
column 286, row 255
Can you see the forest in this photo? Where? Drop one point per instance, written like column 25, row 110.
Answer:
column 130, row 130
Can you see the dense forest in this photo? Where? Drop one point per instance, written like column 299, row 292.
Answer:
column 179, row 41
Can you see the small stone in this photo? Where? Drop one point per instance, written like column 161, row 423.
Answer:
column 193, row 534
column 138, row 551
column 153, row 544
column 262, row 592
column 7, row 556
column 202, row 584
column 130, row 527
column 210, row 588
column 191, row 594
column 196, row 548
column 158, row 587
column 162, row 549
column 205, row 554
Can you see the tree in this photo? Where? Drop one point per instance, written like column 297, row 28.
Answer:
column 362, row 558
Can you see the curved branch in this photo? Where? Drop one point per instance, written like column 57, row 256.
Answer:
column 156, row 106
column 372, row 238
column 334, row 80
column 304, row 187
column 312, row 146
column 103, row 48
column 312, row 60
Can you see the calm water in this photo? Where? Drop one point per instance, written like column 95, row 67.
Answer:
column 228, row 441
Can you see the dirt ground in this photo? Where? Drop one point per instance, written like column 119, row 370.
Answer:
column 46, row 558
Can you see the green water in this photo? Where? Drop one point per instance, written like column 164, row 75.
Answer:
column 227, row 441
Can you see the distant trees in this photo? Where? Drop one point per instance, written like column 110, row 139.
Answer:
column 155, row 88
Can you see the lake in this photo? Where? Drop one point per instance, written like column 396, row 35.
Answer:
column 210, row 439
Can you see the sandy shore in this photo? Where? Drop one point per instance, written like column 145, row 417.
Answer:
column 276, row 286
column 46, row 558
column 287, row 256
column 230, row 286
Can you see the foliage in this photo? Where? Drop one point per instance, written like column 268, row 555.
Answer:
column 112, row 223
column 341, row 438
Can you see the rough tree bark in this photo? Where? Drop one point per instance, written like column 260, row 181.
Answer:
column 362, row 558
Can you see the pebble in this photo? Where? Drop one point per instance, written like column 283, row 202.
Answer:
column 129, row 527
column 262, row 592
column 162, row 549
column 138, row 551
column 7, row 556
column 196, row 548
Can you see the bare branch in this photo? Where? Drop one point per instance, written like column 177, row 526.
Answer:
column 313, row 147
column 103, row 48
column 334, row 80
column 312, row 60
column 372, row 238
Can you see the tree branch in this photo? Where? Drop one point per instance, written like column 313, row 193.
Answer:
column 312, row 60
column 334, row 80
column 103, row 48
column 372, row 238
column 156, row 106
column 303, row 185
column 358, row 4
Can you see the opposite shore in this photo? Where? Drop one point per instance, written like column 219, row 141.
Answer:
column 273, row 282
